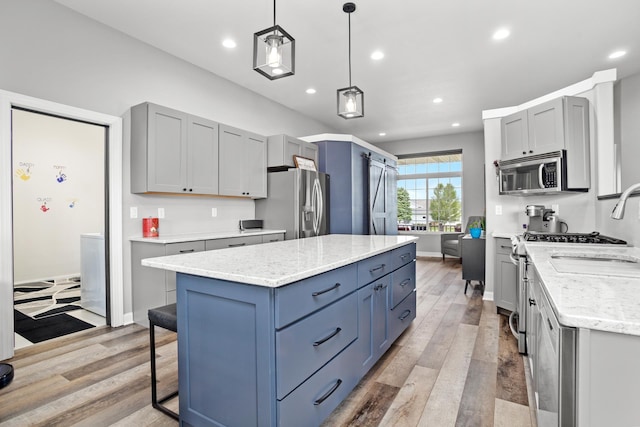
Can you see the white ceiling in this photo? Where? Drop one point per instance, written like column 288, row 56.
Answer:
column 432, row 49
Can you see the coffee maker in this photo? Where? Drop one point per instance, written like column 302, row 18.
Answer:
column 543, row 220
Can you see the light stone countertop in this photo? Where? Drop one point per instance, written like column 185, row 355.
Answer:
column 602, row 302
column 505, row 234
column 280, row 263
column 192, row 237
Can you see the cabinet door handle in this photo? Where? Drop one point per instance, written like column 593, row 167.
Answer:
column 325, row 339
column 329, row 393
column 532, row 301
column 184, row 189
column 550, row 325
column 379, row 286
column 235, row 245
column 186, row 251
column 506, row 247
column 324, row 291
column 404, row 315
column 405, row 282
column 374, row 269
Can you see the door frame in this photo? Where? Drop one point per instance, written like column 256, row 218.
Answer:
column 114, row 154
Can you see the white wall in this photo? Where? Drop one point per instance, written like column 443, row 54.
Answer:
column 53, row 53
column 473, row 159
column 58, row 193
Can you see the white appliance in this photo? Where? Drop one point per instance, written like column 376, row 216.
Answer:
column 92, row 273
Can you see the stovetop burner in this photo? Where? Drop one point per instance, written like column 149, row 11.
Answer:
column 593, row 237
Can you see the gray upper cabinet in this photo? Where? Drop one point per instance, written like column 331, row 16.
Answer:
column 559, row 124
column 282, row 148
column 172, row 151
column 243, row 163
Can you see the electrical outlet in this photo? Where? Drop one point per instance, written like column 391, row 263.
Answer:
column 214, row 212
column 160, row 212
column 556, row 209
column 133, row 212
column 498, row 209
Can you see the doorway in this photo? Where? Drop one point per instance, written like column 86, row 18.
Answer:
column 60, row 212
column 114, row 247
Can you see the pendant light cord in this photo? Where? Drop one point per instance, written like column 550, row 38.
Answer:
column 274, row 13
column 349, row 49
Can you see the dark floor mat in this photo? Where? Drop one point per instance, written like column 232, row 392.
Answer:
column 47, row 328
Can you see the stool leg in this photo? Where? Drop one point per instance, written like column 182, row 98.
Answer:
column 154, row 392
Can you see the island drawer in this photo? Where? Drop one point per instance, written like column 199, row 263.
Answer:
column 304, row 347
column 403, row 255
column 373, row 268
column 270, row 238
column 403, row 282
column 503, row 246
column 232, row 242
column 306, row 296
column 316, row 398
column 402, row 316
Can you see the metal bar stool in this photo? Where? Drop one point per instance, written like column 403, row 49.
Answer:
column 163, row 317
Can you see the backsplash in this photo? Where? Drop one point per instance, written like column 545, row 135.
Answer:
column 628, row 228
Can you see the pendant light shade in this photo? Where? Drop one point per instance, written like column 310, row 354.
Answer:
column 274, row 51
column 350, row 99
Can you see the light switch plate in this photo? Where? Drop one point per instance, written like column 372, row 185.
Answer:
column 133, row 212
column 160, row 212
column 498, row 209
column 214, row 212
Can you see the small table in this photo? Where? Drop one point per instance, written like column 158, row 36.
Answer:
column 473, row 260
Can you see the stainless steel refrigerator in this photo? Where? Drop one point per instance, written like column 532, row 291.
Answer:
column 297, row 201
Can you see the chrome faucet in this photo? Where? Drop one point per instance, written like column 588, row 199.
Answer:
column 618, row 210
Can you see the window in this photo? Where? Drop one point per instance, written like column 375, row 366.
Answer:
column 433, row 184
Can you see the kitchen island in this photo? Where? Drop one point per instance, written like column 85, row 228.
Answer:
column 280, row 333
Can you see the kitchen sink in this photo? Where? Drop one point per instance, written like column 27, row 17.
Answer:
column 596, row 264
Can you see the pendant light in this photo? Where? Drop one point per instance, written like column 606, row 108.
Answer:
column 350, row 99
column 274, row 51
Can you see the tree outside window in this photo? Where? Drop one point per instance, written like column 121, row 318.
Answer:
column 444, row 206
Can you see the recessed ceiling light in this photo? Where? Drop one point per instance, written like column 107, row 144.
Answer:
column 455, row 125
column 377, row 55
column 382, row 134
column 311, row 91
column 228, row 43
column 501, row 34
column 437, row 100
column 617, row 54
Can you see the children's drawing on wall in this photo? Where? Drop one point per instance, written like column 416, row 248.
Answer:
column 43, row 203
column 24, row 170
column 61, row 176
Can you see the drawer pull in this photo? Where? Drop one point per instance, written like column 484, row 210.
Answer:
column 273, row 240
column 329, row 393
column 324, row 340
column 506, row 247
column 404, row 314
column 315, row 294
column 550, row 325
column 405, row 282
column 236, row 245
column 380, row 267
column 405, row 255
column 186, row 251
column 532, row 301
column 378, row 287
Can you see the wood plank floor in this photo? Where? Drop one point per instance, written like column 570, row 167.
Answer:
column 456, row 365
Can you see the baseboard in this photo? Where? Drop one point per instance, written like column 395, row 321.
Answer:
column 128, row 318
column 429, row 254
column 488, row 296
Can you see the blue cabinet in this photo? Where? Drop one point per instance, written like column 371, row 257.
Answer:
column 287, row 356
column 363, row 189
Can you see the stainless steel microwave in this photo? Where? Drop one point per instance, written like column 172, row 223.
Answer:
column 532, row 175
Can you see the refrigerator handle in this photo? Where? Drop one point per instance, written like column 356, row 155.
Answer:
column 317, row 201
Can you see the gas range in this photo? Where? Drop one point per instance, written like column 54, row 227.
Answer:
column 593, row 237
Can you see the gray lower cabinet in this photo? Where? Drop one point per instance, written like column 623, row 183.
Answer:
column 506, row 276
column 152, row 287
column 287, row 356
column 172, row 151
